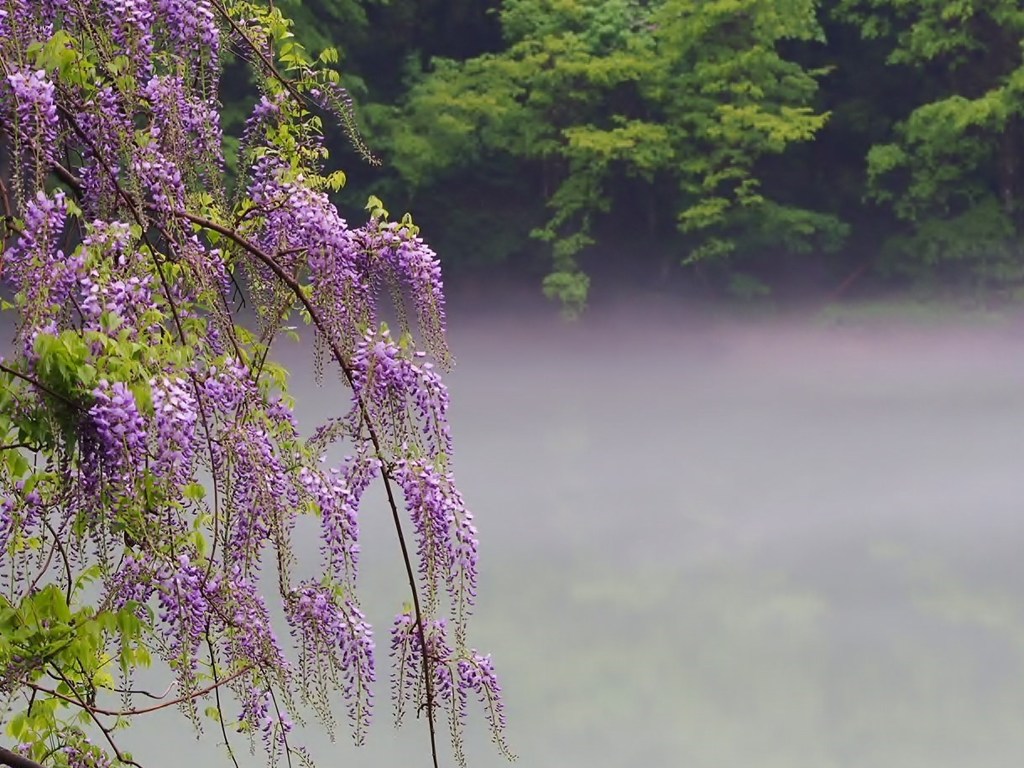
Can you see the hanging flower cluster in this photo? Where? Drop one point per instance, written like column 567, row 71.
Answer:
column 149, row 447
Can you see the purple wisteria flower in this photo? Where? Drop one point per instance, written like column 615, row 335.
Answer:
column 183, row 123
column 36, row 110
column 456, row 674
column 407, row 682
column 170, row 464
column 335, row 645
column 402, row 253
column 175, row 413
column 6, row 521
column 36, row 252
column 227, row 386
column 266, row 110
column 86, row 755
column 132, row 582
column 445, row 534
column 240, row 607
column 260, row 713
column 189, row 601
column 109, row 131
column 192, row 24
column 302, row 219
column 184, row 609
column 28, row 20
column 386, row 382
column 261, row 492
column 37, row 265
column 21, row 513
column 337, row 496
column 117, row 436
column 131, row 26
column 161, row 177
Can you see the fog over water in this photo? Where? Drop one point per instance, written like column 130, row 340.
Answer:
column 722, row 543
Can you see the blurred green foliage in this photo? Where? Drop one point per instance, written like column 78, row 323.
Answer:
column 747, row 140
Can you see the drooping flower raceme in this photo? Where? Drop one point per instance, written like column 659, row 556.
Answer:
column 36, row 111
column 458, row 675
column 155, row 470
column 175, row 413
column 336, row 648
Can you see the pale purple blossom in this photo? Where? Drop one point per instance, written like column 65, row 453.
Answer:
column 260, row 713
column 337, row 495
column 175, row 412
column 161, row 178
column 118, row 429
column 192, row 24
column 36, row 110
column 335, row 642
column 131, row 26
column 37, row 250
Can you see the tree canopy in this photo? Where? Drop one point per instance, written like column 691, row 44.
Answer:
column 745, row 140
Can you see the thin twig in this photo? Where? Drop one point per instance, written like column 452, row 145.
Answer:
column 92, row 709
column 64, row 557
column 42, row 570
column 267, row 62
column 280, row 727
column 147, row 694
column 105, row 730
column 216, row 697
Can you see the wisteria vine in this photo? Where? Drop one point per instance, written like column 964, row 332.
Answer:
column 151, row 469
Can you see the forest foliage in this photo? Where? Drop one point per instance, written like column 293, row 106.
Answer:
column 743, row 141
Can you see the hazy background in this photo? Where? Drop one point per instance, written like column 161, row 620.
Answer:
column 782, row 541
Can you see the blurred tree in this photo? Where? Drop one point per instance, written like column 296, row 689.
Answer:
column 951, row 169
column 586, row 97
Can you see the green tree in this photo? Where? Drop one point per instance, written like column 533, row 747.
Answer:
column 730, row 99
column 952, row 169
column 594, row 100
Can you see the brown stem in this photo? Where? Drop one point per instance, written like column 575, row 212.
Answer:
column 42, row 570
column 67, row 177
column 105, row 730
column 14, row 760
column 94, row 710
column 64, row 558
column 5, row 200
column 216, row 696
column 147, row 694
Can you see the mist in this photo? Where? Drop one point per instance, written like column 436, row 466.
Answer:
column 719, row 541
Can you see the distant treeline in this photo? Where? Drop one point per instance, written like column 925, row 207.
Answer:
column 747, row 145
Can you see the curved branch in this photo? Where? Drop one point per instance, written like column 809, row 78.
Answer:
column 95, row 711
